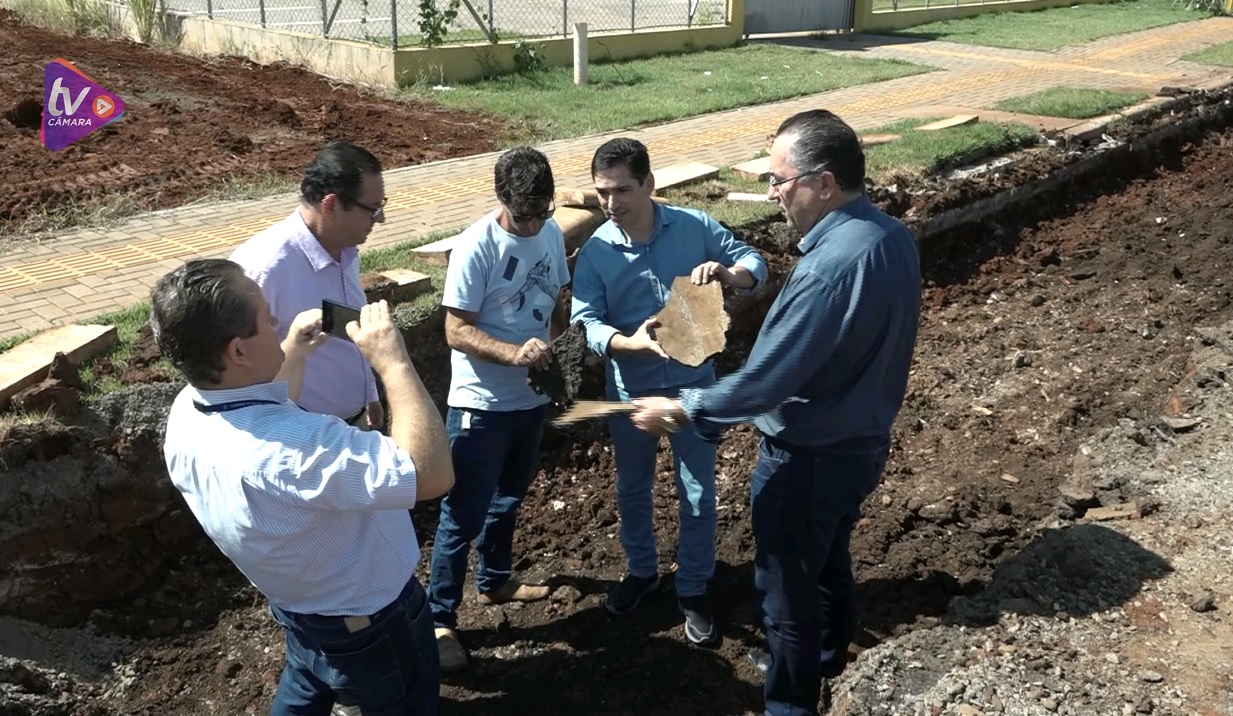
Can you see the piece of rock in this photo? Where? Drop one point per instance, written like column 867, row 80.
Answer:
column 693, row 325
column 1203, row 603
column 1181, row 425
column 1151, row 677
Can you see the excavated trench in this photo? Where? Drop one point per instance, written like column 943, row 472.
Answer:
column 93, row 534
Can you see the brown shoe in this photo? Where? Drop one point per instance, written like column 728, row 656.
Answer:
column 514, row 591
column 449, row 650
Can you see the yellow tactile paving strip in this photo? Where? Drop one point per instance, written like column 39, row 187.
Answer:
column 751, row 124
column 188, row 243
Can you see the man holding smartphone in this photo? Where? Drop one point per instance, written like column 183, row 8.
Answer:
column 312, row 255
column 503, row 306
column 315, row 513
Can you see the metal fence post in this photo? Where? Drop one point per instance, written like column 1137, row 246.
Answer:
column 689, row 13
column 633, row 15
column 261, row 6
column 492, row 25
column 324, row 18
column 394, row 24
column 564, row 18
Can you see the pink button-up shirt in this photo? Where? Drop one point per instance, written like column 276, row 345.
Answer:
column 295, row 272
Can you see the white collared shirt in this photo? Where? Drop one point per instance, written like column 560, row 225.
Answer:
column 314, row 512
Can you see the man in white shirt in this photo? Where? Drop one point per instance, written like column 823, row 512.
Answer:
column 314, row 254
column 314, row 512
column 502, row 298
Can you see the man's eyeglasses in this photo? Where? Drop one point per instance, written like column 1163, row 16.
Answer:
column 376, row 210
column 544, row 215
column 780, row 182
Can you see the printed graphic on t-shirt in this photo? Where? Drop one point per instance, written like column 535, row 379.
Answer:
column 536, row 294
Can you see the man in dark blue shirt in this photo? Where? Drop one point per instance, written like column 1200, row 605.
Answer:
column 823, row 383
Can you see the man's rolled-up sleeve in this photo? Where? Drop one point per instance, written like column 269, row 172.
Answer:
column 724, row 247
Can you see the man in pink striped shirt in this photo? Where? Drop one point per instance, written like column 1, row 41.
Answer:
column 314, row 254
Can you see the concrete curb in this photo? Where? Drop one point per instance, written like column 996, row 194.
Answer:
column 1097, row 160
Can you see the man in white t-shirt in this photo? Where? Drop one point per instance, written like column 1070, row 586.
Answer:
column 503, row 307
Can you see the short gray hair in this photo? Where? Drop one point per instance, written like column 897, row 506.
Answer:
column 195, row 311
column 825, row 142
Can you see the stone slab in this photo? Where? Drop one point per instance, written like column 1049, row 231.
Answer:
column 957, row 121
column 395, row 285
column 681, row 174
column 28, row 363
column 754, row 169
column 693, row 324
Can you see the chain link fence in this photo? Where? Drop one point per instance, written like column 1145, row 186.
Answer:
column 411, row 23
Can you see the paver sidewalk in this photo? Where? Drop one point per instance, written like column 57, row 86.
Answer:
column 84, row 273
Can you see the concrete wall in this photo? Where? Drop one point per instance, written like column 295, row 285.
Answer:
column 460, row 63
column 356, row 62
column 866, row 20
column 367, row 64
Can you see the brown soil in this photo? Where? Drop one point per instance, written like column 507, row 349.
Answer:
column 192, row 124
column 1037, row 334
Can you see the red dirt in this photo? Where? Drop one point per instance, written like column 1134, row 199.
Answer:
column 1035, row 337
column 193, row 124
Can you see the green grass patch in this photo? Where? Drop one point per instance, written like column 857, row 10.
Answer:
column 1058, row 27
column 924, row 152
column 1221, row 55
column 548, row 105
column 1071, row 102
column 711, row 196
column 97, row 18
column 128, row 323
column 399, row 256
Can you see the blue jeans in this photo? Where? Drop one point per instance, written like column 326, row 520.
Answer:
column 387, row 668
column 495, row 456
column 805, row 503
column 694, row 462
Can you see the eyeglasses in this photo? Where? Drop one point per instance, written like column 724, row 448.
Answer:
column 780, row 182
column 544, row 215
column 376, row 210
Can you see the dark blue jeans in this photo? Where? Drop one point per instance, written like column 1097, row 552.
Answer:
column 805, row 502
column 387, row 668
column 495, row 456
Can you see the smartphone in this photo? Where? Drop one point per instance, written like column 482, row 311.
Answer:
column 335, row 316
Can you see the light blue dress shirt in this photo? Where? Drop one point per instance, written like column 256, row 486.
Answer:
column 618, row 285
column 312, row 511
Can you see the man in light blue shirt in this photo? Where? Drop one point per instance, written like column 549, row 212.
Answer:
column 622, row 279
column 314, row 512
column 503, row 307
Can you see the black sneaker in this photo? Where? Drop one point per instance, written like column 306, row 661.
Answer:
column 700, row 626
column 625, row 597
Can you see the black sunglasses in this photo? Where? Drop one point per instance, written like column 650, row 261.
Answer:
column 544, row 215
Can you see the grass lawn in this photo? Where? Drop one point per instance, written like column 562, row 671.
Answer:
column 924, row 152
column 1215, row 55
column 547, row 105
column 1071, row 102
column 400, row 256
column 1055, row 28
column 711, row 196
